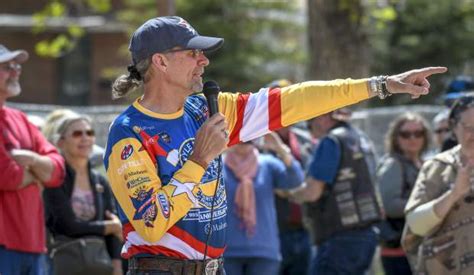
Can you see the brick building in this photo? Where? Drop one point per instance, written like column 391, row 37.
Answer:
column 78, row 77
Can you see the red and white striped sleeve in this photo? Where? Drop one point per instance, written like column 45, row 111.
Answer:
column 253, row 115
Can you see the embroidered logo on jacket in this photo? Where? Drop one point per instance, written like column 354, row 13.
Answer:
column 165, row 137
column 165, row 208
column 127, row 151
column 152, row 146
column 145, row 207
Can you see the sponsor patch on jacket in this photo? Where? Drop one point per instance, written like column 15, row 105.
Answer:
column 165, row 207
column 133, row 173
column 127, row 151
column 137, row 181
column 145, row 207
column 165, row 137
column 129, row 164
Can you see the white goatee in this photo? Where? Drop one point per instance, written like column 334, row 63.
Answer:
column 13, row 87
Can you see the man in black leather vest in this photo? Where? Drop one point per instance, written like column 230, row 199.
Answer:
column 341, row 202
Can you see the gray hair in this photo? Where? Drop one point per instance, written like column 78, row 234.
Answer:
column 51, row 122
column 126, row 83
column 63, row 123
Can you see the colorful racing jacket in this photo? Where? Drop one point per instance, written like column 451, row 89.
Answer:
column 164, row 199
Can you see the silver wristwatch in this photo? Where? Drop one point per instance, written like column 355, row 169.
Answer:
column 378, row 86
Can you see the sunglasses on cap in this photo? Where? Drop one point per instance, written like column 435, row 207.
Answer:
column 409, row 134
column 80, row 133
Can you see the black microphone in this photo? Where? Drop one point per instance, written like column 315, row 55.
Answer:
column 211, row 90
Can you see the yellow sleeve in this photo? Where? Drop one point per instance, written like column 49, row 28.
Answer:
column 306, row 100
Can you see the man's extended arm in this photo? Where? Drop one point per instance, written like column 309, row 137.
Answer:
column 254, row 115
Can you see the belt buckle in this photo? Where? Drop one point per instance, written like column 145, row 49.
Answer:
column 212, row 266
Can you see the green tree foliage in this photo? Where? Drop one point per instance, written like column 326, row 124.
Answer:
column 261, row 38
column 426, row 33
column 258, row 36
column 60, row 11
column 135, row 12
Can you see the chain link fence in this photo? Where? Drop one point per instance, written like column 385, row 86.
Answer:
column 374, row 121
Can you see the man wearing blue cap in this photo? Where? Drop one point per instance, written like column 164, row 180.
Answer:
column 162, row 151
column 29, row 163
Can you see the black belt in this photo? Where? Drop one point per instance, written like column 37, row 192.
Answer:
column 176, row 266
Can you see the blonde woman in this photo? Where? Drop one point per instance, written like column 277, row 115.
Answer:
column 82, row 206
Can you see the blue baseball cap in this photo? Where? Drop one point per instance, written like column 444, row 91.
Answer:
column 457, row 88
column 161, row 34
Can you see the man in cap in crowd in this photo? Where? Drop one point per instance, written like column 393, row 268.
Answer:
column 162, row 152
column 28, row 164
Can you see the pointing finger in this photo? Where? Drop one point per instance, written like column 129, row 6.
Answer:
column 425, row 72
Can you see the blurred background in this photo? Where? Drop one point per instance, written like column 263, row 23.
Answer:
column 78, row 47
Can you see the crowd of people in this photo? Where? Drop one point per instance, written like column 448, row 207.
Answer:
column 275, row 202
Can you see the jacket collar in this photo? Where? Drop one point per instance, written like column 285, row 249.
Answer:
column 450, row 157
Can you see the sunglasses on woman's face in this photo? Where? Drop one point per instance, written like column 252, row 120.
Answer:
column 411, row 134
column 80, row 133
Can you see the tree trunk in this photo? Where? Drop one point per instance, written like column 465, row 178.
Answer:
column 338, row 44
column 166, row 7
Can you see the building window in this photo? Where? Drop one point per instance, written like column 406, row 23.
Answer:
column 74, row 71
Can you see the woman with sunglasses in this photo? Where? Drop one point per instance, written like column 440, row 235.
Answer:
column 48, row 129
column 406, row 140
column 83, row 205
column 440, row 219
